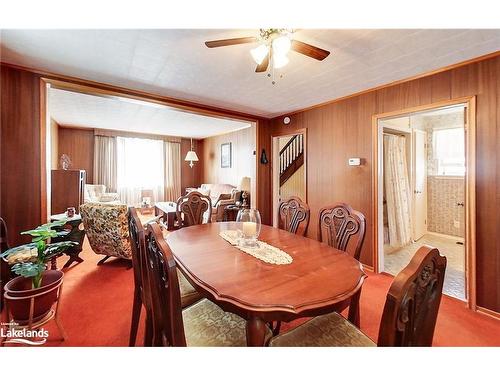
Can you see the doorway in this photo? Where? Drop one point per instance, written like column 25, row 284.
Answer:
column 425, row 191
column 289, row 169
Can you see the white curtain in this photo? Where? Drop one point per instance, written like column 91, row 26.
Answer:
column 172, row 171
column 397, row 190
column 140, row 167
column 105, row 162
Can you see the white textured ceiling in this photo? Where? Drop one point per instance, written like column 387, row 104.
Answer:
column 176, row 62
column 88, row 111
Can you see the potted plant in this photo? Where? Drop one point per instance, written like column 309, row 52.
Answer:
column 35, row 284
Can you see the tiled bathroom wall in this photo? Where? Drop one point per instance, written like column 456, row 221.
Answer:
column 443, row 213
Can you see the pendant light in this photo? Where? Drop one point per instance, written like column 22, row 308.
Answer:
column 191, row 155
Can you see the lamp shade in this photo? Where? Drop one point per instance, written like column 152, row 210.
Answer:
column 245, row 184
column 191, row 156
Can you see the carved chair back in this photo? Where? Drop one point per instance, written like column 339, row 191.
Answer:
column 294, row 215
column 168, row 328
column 192, row 207
column 412, row 304
column 342, row 228
column 137, row 246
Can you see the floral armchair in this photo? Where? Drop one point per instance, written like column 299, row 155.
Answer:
column 106, row 227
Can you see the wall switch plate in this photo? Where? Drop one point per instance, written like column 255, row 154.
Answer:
column 456, row 223
column 354, row 161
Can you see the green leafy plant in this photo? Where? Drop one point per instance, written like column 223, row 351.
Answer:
column 29, row 260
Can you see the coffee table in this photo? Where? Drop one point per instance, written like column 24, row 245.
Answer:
column 168, row 211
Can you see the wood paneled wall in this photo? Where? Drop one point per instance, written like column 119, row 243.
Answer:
column 191, row 177
column 20, row 181
column 78, row 144
column 342, row 129
column 243, row 158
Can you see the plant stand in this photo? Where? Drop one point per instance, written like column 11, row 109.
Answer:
column 52, row 314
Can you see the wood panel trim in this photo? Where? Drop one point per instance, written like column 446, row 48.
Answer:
column 470, row 207
column 488, row 312
column 470, row 103
column 44, row 179
column 103, row 89
column 97, row 88
column 186, row 104
column 395, row 83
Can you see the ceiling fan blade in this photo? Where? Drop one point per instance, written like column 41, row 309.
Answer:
column 262, row 67
column 230, row 42
column 308, row 50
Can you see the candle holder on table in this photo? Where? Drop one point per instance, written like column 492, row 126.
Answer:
column 249, row 224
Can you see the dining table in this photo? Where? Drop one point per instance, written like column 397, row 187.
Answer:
column 320, row 279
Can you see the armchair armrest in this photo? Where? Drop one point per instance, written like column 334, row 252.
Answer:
column 222, row 197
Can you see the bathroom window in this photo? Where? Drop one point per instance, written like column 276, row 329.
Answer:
column 449, row 151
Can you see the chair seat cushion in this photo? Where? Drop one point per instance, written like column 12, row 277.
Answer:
column 206, row 324
column 189, row 295
column 326, row 330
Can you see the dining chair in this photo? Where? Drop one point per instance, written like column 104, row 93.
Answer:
column 142, row 296
column 294, row 215
column 408, row 319
column 202, row 324
column 339, row 224
column 192, row 208
column 141, row 293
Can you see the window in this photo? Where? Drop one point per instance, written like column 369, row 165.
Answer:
column 140, row 166
column 449, row 151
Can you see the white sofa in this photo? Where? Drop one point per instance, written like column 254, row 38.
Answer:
column 221, row 195
column 97, row 194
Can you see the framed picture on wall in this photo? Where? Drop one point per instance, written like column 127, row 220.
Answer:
column 225, row 155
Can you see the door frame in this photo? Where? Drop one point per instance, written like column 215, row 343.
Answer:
column 50, row 80
column 275, row 169
column 414, row 181
column 469, row 103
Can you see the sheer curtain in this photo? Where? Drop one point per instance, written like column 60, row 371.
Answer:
column 140, row 166
column 397, row 190
column 172, row 171
column 105, row 162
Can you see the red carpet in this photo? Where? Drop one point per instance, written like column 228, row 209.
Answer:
column 97, row 300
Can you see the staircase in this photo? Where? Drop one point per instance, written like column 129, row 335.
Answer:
column 291, row 157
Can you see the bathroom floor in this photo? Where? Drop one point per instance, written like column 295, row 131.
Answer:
column 454, row 281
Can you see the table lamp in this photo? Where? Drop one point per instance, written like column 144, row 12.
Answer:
column 245, row 188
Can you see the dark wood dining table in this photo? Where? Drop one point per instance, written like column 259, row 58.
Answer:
column 318, row 281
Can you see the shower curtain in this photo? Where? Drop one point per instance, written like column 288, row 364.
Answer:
column 397, row 190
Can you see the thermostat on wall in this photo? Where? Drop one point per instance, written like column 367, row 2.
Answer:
column 354, row 161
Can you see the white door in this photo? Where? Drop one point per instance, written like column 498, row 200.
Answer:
column 419, row 184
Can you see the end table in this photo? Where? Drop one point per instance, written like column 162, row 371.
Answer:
column 231, row 212
column 75, row 234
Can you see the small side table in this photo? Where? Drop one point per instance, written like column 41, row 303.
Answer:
column 76, row 234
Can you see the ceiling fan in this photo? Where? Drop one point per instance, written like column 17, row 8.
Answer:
column 273, row 48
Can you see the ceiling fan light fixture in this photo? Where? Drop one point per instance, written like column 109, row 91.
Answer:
column 259, row 53
column 281, row 45
column 279, row 61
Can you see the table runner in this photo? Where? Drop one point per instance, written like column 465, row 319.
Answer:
column 264, row 252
